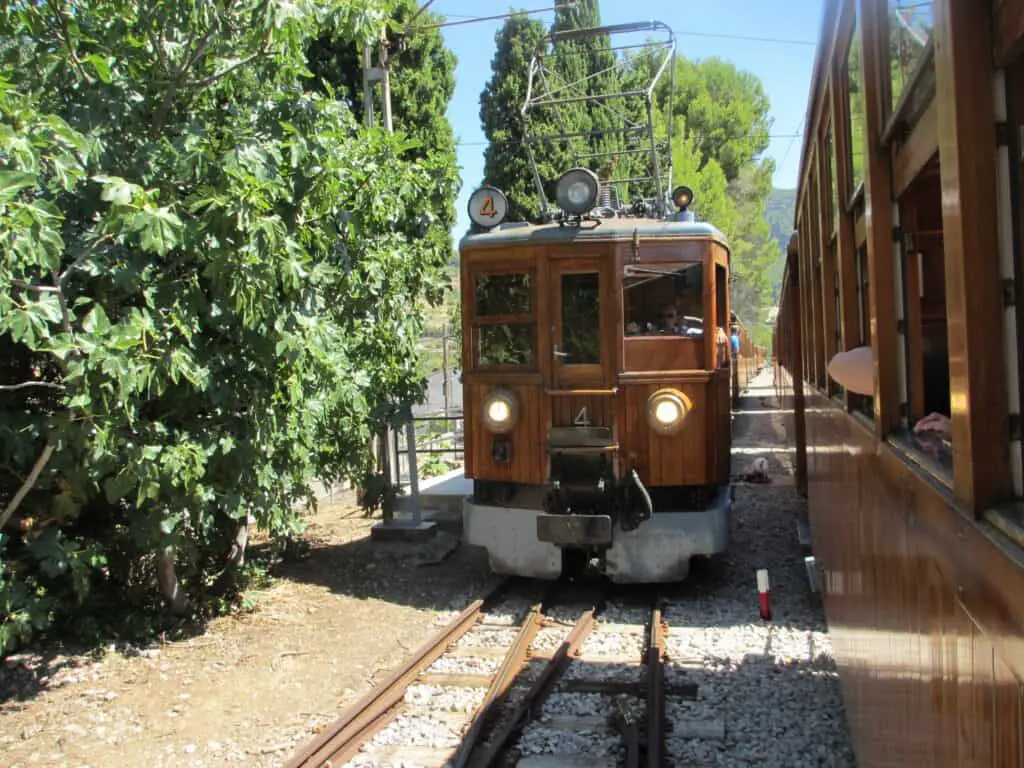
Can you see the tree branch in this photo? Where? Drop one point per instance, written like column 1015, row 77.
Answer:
column 27, row 384
column 25, row 286
column 263, row 51
column 27, row 486
column 82, row 257
column 64, row 35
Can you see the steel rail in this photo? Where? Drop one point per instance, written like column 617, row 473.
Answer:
column 374, row 710
column 513, row 663
column 530, row 703
column 656, row 688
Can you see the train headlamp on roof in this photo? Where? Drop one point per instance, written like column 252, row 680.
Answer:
column 576, row 191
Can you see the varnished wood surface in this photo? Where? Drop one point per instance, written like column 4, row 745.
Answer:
column 1008, row 29
column 967, row 152
column 925, row 609
column 925, row 602
column 662, row 353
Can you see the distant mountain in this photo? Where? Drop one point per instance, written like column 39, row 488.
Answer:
column 779, row 208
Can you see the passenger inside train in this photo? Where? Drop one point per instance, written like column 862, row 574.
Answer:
column 855, row 370
column 663, row 301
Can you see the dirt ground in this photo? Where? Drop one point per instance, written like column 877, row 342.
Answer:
column 253, row 687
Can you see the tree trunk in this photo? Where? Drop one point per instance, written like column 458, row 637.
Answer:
column 167, row 579
column 236, row 556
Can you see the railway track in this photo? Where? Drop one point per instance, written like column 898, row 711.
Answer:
column 532, row 675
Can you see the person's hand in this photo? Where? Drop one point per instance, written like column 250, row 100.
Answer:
column 934, row 422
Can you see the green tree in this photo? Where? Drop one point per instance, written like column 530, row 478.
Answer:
column 506, row 165
column 209, row 277
column 422, row 86
column 726, row 111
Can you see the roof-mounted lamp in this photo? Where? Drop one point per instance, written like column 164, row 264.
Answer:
column 576, row 191
column 682, row 198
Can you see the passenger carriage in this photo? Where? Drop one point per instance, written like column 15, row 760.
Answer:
column 910, row 242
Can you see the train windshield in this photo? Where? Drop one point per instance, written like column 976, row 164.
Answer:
column 665, row 300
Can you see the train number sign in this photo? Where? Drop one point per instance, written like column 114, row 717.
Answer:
column 488, row 207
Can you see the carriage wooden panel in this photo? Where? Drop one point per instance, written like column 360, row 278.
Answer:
column 529, row 461
column 655, row 353
column 596, row 410
column 1008, row 29
column 693, row 456
column 926, row 612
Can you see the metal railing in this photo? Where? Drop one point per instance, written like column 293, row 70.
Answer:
column 422, row 436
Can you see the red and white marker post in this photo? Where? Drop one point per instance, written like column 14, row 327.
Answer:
column 764, row 594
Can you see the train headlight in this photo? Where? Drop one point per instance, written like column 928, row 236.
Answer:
column 501, row 410
column 576, row 192
column 667, row 410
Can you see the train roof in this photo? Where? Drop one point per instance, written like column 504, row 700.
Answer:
column 607, row 229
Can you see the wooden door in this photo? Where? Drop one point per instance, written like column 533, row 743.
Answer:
column 580, row 317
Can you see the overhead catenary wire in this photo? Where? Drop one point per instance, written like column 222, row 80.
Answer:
column 467, row 19
column 514, row 142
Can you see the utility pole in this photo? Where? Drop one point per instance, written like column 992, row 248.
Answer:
column 444, row 369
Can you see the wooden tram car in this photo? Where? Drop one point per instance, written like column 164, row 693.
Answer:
column 909, row 241
column 596, row 388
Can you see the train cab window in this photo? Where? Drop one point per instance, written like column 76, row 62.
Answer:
column 503, row 323
column 664, row 301
column 924, row 293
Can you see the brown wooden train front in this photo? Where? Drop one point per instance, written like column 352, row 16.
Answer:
column 603, row 379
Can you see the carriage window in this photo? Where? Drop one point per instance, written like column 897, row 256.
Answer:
column 855, row 99
column 581, row 318
column 910, row 29
column 664, row 300
column 924, row 291
column 863, row 403
column 503, row 327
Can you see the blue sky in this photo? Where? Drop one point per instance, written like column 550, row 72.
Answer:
column 783, row 63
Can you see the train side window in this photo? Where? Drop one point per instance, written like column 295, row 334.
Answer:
column 910, row 30
column 864, row 404
column 924, row 286
column 664, row 300
column 721, row 299
column 503, row 323
column 855, row 127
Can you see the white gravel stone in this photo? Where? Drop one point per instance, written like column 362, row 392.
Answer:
column 487, row 638
column 538, row 739
column 464, row 665
column 773, row 684
column 549, row 639
column 591, row 704
column 621, row 613
column 445, row 698
column 419, row 732
column 601, row 642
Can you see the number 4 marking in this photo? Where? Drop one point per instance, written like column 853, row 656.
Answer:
column 488, row 209
column 582, row 418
